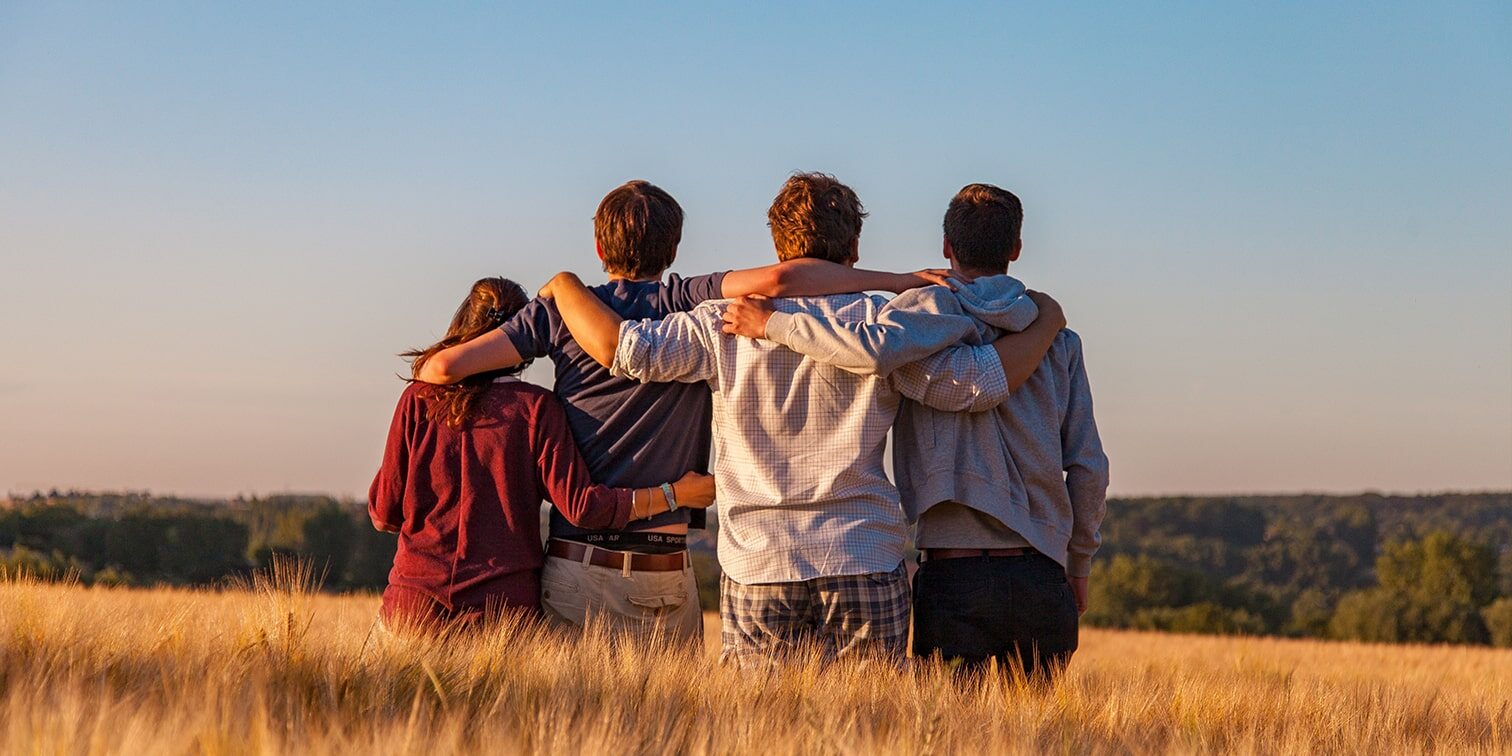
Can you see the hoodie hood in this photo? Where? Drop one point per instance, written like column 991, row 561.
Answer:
column 998, row 301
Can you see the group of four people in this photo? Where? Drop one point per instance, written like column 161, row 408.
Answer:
column 794, row 377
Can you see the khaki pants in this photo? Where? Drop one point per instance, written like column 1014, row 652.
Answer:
column 643, row 603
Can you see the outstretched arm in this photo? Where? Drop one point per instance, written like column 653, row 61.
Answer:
column 675, row 348
column 979, row 378
column 911, row 327
column 564, row 481
column 807, row 277
column 1022, row 352
column 491, row 351
column 593, row 325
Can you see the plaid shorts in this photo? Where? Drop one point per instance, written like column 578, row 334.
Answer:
column 841, row 615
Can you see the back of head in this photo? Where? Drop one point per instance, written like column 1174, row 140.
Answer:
column 489, row 303
column 983, row 224
column 638, row 227
column 814, row 215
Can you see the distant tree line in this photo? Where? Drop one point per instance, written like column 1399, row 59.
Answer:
column 139, row 539
column 1429, row 569
column 1367, row 567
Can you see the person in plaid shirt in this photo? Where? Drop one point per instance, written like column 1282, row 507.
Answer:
column 812, row 535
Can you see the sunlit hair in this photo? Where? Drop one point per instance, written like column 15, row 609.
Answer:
column 638, row 227
column 491, row 302
column 814, row 215
column 983, row 224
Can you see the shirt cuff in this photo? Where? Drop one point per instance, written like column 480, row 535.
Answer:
column 779, row 327
column 1078, row 565
column 994, row 381
column 624, row 351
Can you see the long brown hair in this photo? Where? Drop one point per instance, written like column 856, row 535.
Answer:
column 490, row 302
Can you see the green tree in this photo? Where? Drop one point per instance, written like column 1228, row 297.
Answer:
column 1498, row 618
column 1431, row 591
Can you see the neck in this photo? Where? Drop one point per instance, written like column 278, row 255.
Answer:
column 643, row 279
column 970, row 273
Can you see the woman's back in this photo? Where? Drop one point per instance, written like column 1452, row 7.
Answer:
column 466, row 500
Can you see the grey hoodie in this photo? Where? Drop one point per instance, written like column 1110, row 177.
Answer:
column 1035, row 462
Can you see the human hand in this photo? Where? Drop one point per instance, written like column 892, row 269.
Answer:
column 748, row 316
column 1079, row 590
column 694, row 490
column 549, row 290
column 926, row 277
column 1048, row 308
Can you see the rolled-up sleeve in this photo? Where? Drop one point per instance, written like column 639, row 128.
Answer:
column 677, row 348
column 958, row 379
column 912, row 326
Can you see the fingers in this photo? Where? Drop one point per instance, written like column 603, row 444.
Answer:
column 938, row 277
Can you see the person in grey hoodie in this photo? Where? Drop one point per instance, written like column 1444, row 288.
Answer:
column 1008, row 503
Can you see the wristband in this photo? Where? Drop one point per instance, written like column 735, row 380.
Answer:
column 671, row 498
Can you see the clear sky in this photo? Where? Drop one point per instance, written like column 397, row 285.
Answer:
column 1284, row 232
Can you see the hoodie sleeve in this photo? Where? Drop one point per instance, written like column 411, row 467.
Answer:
column 1086, row 467
column 914, row 325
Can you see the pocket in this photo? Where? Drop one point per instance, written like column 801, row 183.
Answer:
column 656, row 594
column 656, row 602
column 558, row 581
column 1048, row 571
column 941, row 581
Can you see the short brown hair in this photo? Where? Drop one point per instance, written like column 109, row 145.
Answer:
column 815, row 216
column 983, row 224
column 637, row 227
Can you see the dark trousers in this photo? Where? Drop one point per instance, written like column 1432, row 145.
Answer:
column 1018, row 610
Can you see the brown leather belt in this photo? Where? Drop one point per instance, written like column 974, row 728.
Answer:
column 932, row 554
column 616, row 559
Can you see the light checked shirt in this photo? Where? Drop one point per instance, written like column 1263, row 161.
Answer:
column 799, row 443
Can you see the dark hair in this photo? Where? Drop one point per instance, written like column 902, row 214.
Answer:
column 490, row 302
column 637, row 227
column 815, row 215
column 983, row 224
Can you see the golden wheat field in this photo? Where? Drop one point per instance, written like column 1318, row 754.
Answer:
column 276, row 668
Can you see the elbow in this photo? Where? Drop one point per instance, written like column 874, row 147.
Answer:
column 780, row 281
column 437, row 369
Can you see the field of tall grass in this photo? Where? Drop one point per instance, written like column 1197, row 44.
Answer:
column 275, row 667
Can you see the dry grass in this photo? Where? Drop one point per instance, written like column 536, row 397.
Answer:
column 277, row 668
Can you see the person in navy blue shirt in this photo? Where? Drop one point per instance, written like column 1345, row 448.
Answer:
column 638, row 578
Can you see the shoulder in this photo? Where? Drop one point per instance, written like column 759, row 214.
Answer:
column 683, row 294
column 1068, row 346
column 522, row 391
column 933, row 299
column 532, row 399
column 414, row 393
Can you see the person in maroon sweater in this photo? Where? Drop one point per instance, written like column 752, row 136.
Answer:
column 464, row 473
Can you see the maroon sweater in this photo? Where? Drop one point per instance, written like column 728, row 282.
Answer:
column 466, row 501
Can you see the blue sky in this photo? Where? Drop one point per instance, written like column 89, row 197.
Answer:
column 1282, row 232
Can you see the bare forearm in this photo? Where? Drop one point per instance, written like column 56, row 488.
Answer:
column 692, row 491
column 593, row 325
column 808, row 277
column 491, row 351
column 1021, row 353
column 812, row 278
